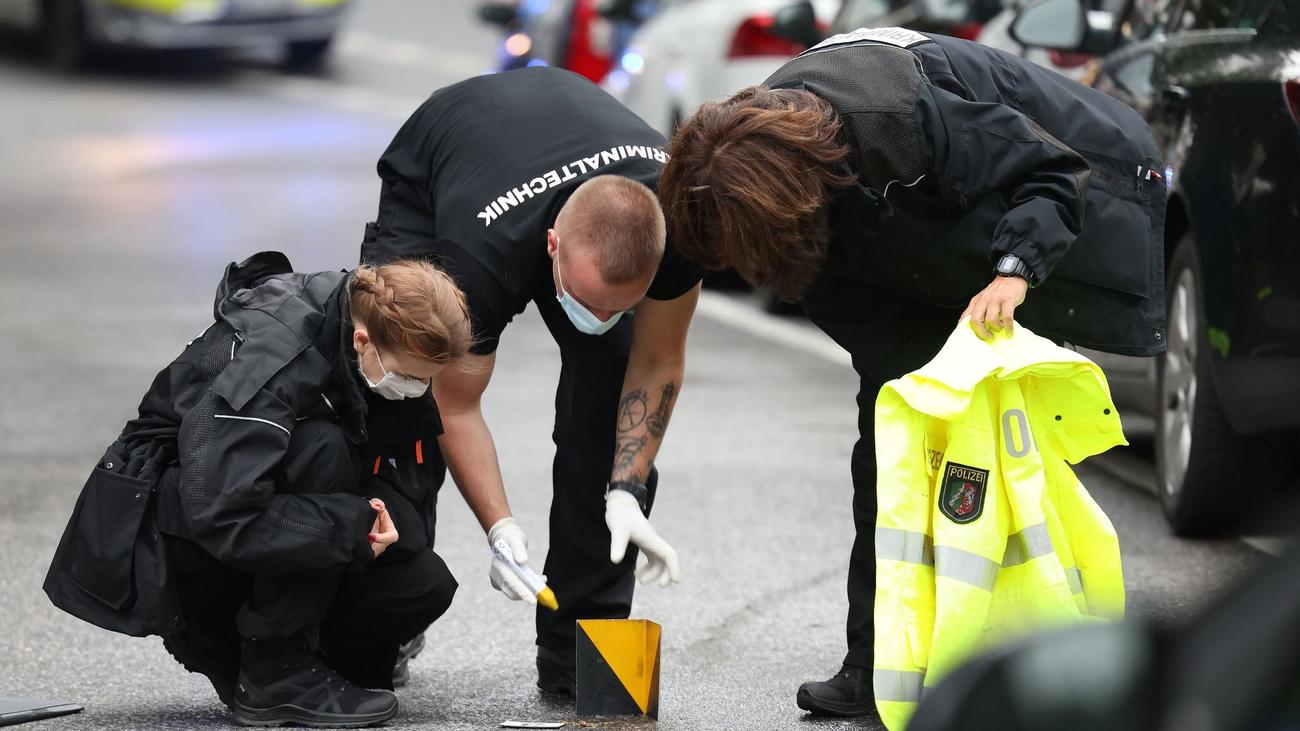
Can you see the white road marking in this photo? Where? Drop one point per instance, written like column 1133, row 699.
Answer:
column 744, row 317
column 410, row 54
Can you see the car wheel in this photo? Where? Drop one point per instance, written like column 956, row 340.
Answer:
column 307, row 55
column 1200, row 460
column 63, row 34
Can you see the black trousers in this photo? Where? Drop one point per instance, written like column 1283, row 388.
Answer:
column 887, row 335
column 578, row 570
column 586, row 584
column 356, row 620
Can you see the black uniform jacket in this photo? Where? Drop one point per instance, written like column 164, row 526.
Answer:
column 966, row 153
column 205, row 451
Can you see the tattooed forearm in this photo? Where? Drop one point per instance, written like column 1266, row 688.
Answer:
column 625, row 455
column 658, row 422
column 632, row 411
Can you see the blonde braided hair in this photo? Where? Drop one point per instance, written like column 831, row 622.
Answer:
column 413, row 306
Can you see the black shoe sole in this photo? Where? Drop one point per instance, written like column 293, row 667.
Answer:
column 293, row 715
column 557, row 687
column 820, row 707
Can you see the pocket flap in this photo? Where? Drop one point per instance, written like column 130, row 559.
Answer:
column 1114, row 249
column 108, row 517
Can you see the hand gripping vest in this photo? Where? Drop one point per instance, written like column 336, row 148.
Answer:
column 983, row 532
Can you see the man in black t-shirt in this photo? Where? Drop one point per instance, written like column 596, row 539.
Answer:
column 535, row 185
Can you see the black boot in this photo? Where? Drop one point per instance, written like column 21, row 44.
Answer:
column 555, row 671
column 285, row 684
column 847, row 694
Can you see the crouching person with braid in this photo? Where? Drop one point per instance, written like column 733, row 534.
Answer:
column 284, row 546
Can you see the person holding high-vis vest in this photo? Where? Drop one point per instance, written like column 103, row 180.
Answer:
column 984, row 533
column 894, row 181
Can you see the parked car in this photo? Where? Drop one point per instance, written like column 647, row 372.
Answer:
column 693, row 51
column 68, row 30
column 584, row 36
column 1219, row 82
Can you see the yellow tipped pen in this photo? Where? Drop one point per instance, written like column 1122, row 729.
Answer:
column 546, row 598
column 535, row 584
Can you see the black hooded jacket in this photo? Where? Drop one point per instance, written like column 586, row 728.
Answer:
column 965, row 153
column 209, row 437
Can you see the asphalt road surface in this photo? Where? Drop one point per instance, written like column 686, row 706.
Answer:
column 123, row 194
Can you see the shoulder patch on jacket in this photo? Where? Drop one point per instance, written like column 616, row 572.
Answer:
column 901, row 37
column 961, row 495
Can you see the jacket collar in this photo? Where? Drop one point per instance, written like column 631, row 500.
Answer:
column 335, row 344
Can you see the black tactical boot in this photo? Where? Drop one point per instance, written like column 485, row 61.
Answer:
column 847, row 694
column 286, row 684
column 555, row 672
column 406, row 652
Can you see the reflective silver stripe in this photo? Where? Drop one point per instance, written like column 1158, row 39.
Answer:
column 252, row 418
column 966, row 567
column 897, row 685
column 1027, row 545
column 327, row 403
column 894, row 544
column 1075, row 579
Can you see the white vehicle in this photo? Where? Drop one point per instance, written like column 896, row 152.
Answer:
column 695, row 51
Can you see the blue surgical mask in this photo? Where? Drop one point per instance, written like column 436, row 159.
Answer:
column 579, row 315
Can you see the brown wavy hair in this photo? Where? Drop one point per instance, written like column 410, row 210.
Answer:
column 413, row 306
column 748, row 183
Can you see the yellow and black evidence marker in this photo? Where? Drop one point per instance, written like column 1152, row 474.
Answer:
column 618, row 667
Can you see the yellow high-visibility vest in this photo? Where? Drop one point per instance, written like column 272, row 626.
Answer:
column 983, row 532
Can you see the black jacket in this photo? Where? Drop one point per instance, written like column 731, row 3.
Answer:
column 965, row 153
column 205, row 447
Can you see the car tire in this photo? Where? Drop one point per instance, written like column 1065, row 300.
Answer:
column 64, row 46
column 1201, row 462
column 307, row 55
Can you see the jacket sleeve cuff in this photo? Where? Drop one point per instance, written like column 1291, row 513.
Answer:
column 1026, row 251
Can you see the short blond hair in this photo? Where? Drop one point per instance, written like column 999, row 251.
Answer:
column 620, row 221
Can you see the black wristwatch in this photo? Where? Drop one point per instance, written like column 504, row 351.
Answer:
column 636, row 489
column 1010, row 265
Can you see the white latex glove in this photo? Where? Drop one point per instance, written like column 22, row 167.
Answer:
column 502, row 577
column 627, row 523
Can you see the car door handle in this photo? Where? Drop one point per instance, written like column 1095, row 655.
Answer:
column 1174, row 97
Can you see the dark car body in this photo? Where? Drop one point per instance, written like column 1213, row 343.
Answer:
column 1219, row 83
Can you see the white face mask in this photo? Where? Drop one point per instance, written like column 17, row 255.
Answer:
column 392, row 386
column 581, row 317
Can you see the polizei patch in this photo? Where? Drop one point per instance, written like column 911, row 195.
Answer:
column 961, row 496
